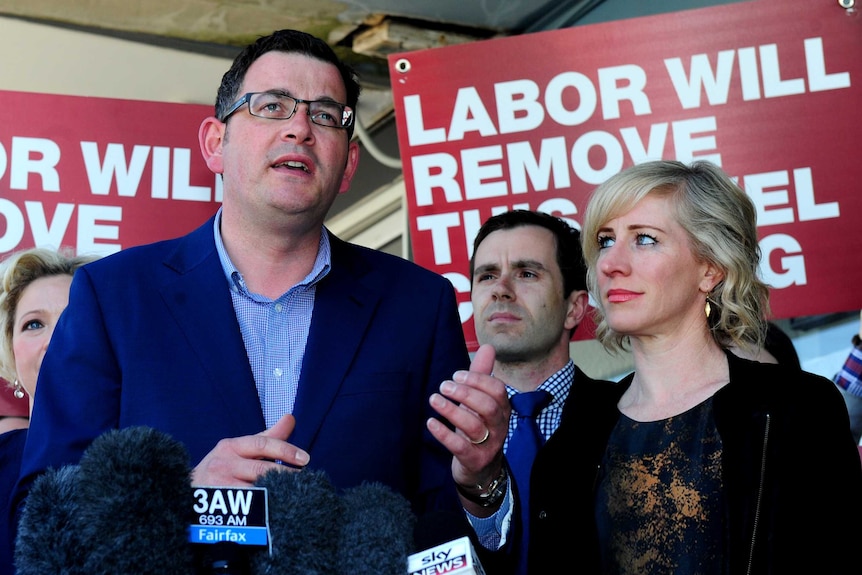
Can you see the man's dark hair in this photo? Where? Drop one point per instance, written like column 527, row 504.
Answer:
column 290, row 41
column 570, row 258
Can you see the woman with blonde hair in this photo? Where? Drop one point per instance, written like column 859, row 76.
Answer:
column 34, row 291
column 700, row 461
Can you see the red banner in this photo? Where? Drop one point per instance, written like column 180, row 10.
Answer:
column 771, row 91
column 100, row 174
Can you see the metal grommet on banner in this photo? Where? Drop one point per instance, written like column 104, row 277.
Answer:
column 402, row 65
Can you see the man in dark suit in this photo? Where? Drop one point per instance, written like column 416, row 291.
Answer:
column 529, row 295
column 260, row 339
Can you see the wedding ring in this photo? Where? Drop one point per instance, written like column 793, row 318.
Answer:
column 484, row 439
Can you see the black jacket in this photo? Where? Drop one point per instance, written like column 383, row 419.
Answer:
column 791, row 472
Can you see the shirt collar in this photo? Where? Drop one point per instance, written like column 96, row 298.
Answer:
column 322, row 263
column 558, row 385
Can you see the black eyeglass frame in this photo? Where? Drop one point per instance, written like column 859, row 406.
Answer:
column 246, row 99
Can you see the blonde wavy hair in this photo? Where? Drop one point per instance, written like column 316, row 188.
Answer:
column 721, row 223
column 16, row 273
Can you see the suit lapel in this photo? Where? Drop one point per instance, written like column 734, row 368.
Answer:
column 344, row 304
column 198, row 298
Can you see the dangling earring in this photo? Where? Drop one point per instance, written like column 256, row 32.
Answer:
column 708, row 308
column 19, row 390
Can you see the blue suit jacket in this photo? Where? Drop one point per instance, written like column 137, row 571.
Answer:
column 150, row 338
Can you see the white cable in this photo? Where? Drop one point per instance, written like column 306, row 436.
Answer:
column 376, row 153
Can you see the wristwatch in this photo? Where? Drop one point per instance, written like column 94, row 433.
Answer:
column 486, row 496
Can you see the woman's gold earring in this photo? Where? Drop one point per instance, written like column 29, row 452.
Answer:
column 707, row 308
column 19, row 390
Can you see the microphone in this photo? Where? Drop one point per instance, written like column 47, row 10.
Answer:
column 124, row 509
column 304, row 519
column 444, row 546
column 46, row 543
column 133, row 493
column 128, row 508
column 376, row 531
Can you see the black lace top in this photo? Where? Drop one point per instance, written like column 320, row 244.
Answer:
column 658, row 506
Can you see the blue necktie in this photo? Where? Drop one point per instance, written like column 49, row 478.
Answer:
column 521, row 451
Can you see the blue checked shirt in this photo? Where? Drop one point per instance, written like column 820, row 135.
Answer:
column 275, row 332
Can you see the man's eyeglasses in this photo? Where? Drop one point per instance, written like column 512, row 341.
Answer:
column 280, row 106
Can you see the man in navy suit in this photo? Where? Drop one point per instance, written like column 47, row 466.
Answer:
column 260, row 339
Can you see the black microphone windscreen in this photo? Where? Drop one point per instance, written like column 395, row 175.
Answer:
column 304, row 515
column 376, row 531
column 124, row 509
column 134, row 500
column 46, row 542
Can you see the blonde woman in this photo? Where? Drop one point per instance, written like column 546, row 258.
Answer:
column 698, row 462
column 34, row 291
